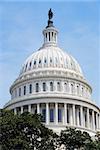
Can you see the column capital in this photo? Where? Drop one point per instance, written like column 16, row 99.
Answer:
column 74, row 122
column 81, row 111
column 93, row 121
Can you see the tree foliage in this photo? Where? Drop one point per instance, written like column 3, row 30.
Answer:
column 26, row 132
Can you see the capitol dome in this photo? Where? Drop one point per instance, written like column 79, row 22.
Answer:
column 51, row 57
column 51, row 83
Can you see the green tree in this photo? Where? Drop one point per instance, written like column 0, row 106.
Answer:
column 97, row 141
column 76, row 139
column 24, row 132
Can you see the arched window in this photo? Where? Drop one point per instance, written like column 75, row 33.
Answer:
column 45, row 61
column 72, row 88
column 58, row 86
column 82, row 91
column 19, row 91
column 65, row 87
column 77, row 89
column 30, row 88
column 24, row 90
column 37, row 87
column 40, row 61
column 50, row 60
column 44, row 86
column 30, row 64
column 34, row 62
column 51, row 86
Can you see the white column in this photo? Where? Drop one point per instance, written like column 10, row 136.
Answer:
column 38, row 108
column 74, row 123
column 69, row 86
column 77, row 112
column 81, row 111
column 40, row 86
column 48, row 86
column 29, row 108
column 88, row 124
column 47, row 113
column 56, row 113
column 15, row 111
column 21, row 109
column 55, row 85
column 93, row 122
column 96, row 120
column 65, row 113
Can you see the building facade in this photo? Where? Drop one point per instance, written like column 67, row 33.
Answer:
column 51, row 83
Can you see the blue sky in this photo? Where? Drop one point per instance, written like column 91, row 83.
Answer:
column 21, row 25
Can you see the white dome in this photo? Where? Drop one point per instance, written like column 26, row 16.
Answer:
column 51, row 57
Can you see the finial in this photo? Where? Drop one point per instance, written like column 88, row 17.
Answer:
column 50, row 16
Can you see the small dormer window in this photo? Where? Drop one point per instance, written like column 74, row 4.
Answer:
column 45, row 60
column 35, row 62
column 51, row 60
column 39, row 61
column 30, row 64
column 46, row 35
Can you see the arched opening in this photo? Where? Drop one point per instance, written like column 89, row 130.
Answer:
column 51, row 86
column 44, row 86
column 37, row 87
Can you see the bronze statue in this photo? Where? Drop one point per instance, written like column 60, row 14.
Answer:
column 50, row 14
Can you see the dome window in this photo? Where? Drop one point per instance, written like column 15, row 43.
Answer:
column 44, row 86
column 65, row 87
column 35, row 62
column 39, row 61
column 37, row 87
column 19, row 91
column 24, row 90
column 51, row 86
column 30, row 88
column 72, row 88
column 78, row 89
column 30, row 64
column 58, row 86
column 50, row 60
column 45, row 60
